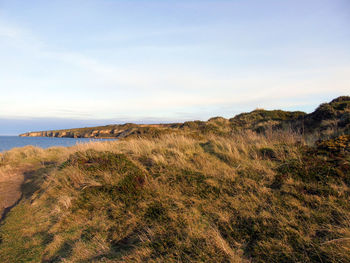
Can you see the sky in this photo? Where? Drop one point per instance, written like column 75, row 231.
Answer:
column 78, row 63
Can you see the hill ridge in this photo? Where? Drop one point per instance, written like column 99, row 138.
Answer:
column 327, row 118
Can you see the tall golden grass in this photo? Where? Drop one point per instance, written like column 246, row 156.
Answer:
column 177, row 198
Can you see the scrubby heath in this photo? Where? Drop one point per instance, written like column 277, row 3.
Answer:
column 265, row 186
column 243, row 197
column 327, row 119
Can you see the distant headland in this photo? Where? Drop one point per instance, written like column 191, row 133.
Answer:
column 326, row 119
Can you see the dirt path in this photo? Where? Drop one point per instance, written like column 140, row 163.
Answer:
column 10, row 190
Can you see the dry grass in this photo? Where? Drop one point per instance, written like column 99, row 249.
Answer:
column 10, row 183
column 178, row 198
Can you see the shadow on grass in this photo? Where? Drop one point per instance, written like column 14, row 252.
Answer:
column 120, row 248
column 65, row 251
column 33, row 180
column 8, row 209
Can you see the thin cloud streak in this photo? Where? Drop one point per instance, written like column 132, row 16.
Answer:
column 196, row 75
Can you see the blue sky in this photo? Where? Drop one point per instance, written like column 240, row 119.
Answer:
column 78, row 63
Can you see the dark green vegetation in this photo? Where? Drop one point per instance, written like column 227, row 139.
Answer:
column 328, row 118
column 199, row 194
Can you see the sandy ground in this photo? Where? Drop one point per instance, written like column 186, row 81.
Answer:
column 10, row 189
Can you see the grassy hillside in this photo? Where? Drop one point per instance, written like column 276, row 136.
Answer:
column 328, row 119
column 238, row 197
column 264, row 186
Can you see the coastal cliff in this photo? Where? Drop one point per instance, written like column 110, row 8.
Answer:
column 109, row 131
column 329, row 118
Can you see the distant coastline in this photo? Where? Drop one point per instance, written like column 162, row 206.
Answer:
column 326, row 118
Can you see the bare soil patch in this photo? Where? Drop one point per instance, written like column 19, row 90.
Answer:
column 10, row 190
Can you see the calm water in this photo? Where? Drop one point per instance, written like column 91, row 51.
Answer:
column 9, row 142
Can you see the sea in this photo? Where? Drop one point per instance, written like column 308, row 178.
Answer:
column 9, row 142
